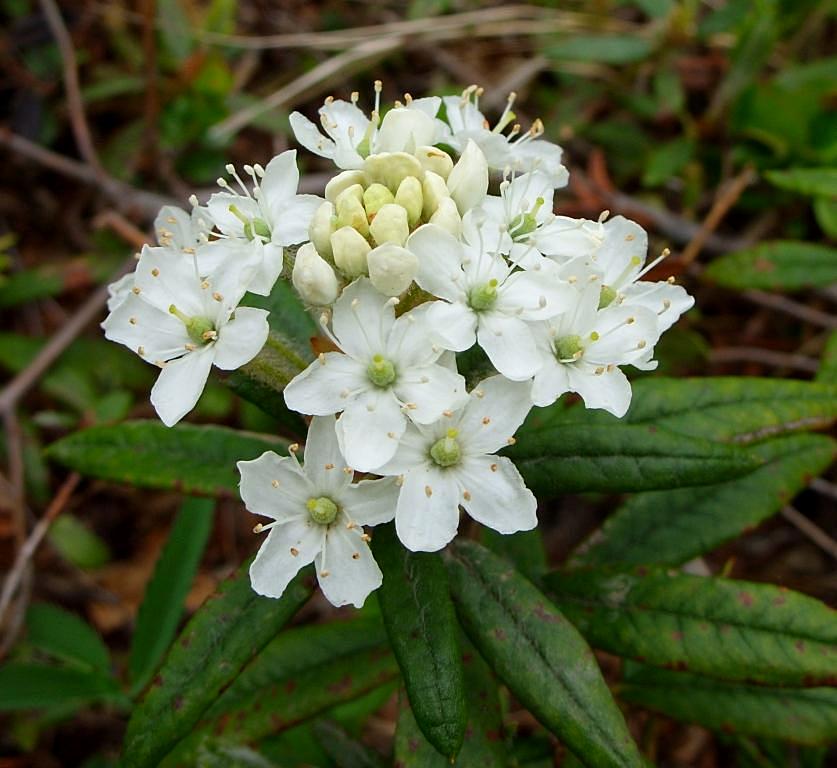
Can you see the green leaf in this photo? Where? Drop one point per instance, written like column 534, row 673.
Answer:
column 165, row 594
column 65, row 636
column 424, row 635
column 667, row 161
column 343, row 749
column 733, row 630
column 287, row 316
column 76, row 543
column 799, row 715
column 672, row 527
column 540, row 656
column 605, row 49
column 225, row 633
column 779, row 265
column 215, row 755
column 37, row 686
column 828, row 364
column 728, row 409
column 806, row 181
column 151, row 455
column 524, row 550
column 825, row 211
column 574, row 458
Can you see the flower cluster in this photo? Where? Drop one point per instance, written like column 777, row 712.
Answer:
column 411, row 257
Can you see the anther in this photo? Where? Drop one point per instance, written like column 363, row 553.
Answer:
column 355, row 555
column 155, row 272
column 466, row 495
column 132, row 320
column 274, row 483
column 511, row 441
column 294, row 551
column 329, row 466
column 217, row 296
column 428, row 491
column 493, row 467
column 486, row 421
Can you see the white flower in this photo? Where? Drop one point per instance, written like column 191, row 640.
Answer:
column 526, row 152
column 184, row 322
column 451, row 463
column 175, row 228
column 313, row 277
column 351, row 136
column 273, row 215
column 317, row 516
column 484, row 300
column 581, row 349
column 387, row 367
column 467, row 182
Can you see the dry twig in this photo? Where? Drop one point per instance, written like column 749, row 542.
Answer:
column 767, row 357
column 811, row 530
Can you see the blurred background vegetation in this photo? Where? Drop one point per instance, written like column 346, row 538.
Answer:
column 710, row 122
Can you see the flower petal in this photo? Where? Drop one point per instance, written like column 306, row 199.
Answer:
column 153, row 334
column 667, row 301
column 550, row 382
column 370, row 428
column 274, row 486
column 533, row 296
column 495, row 410
column 452, row 325
column 430, row 390
column 275, row 564
column 324, row 462
column 610, row 390
column 327, row 385
column 440, row 262
column 346, row 570
column 371, row 502
column 509, row 344
column 241, row 339
column 362, row 320
column 180, row 384
column 310, row 137
column 427, row 515
column 495, row 495
column 413, row 450
column 279, row 183
column 293, row 219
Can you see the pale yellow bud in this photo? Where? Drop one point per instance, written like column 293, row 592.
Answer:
column 392, row 269
column 436, row 160
column 447, row 217
column 350, row 250
column 410, row 198
column 434, row 190
column 390, row 225
column 391, row 168
column 341, row 181
column 468, row 181
column 402, row 130
column 350, row 210
column 322, row 225
column 374, row 197
column 313, row 277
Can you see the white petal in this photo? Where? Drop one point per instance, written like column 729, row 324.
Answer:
column 218, row 209
column 173, row 227
column 626, row 333
column 370, row 428
column 440, row 261
column 150, row 332
column 667, row 301
column 565, row 238
column 362, row 320
column 623, row 251
column 279, row 183
column 274, row 486
column 291, row 222
column 413, row 450
column 427, row 515
column 324, row 462
column 310, row 137
column 432, row 389
column 509, row 344
column 371, row 502
column 610, row 390
column 409, row 343
column 180, row 384
column 327, row 385
column 402, row 130
column 495, row 410
column 550, row 382
column 268, row 268
column 241, row 339
column 452, row 325
column 346, row 570
column 275, row 565
column 536, row 294
column 164, row 278
column 496, row 494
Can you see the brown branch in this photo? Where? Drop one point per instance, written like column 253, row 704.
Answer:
column 791, row 307
column 765, row 357
column 811, row 530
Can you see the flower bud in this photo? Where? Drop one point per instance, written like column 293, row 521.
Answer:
column 341, row 181
column 375, row 196
column 402, row 130
column 350, row 250
column 409, row 197
column 322, row 225
column 392, row 269
column 350, row 211
column 447, row 217
column 434, row 190
column 313, row 277
column 391, row 168
column 390, row 225
column 436, row 160
column 468, row 181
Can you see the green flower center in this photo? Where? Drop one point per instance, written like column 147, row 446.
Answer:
column 568, row 348
column 483, row 296
column 201, row 330
column 446, row 451
column 253, row 228
column 606, row 296
column 322, row 510
column 381, row 372
column 525, row 223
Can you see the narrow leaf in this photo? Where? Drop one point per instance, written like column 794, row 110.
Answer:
column 37, row 686
column 672, row 527
column 65, row 636
column 524, row 550
column 423, row 632
column 151, row 455
column 799, row 715
column 779, row 265
column 827, row 374
column 540, row 656
column 574, row 458
column 165, row 594
column 733, row 630
column 227, row 631
column 606, row 49
column 343, row 749
column 806, row 181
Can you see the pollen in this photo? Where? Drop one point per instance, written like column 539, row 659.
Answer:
column 217, row 296
column 205, row 284
column 141, row 351
column 294, row 551
column 155, row 272
column 479, row 393
column 136, row 290
column 325, row 574
column 329, row 466
column 356, row 556
column 447, row 414
column 486, row 420
column 132, row 320
column 493, row 467
column 428, row 491
column 466, row 495
column 511, row 441
column 274, row 483
column 366, row 537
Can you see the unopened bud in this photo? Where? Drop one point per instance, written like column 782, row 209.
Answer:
column 436, row 160
column 375, row 196
column 447, row 217
column 350, row 250
column 434, row 190
column 409, row 197
column 313, row 277
column 350, row 210
column 392, row 269
column 342, row 181
column 391, row 168
column 468, row 181
column 322, row 225
column 402, row 130
column 390, row 225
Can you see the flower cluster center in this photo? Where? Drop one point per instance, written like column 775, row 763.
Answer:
column 483, row 296
column 322, row 510
column 446, row 451
column 568, row 348
column 381, row 372
column 201, row 330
